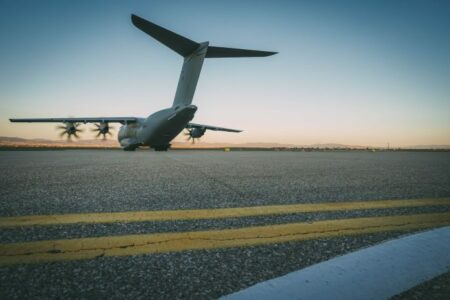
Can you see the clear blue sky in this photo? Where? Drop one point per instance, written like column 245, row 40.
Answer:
column 352, row 72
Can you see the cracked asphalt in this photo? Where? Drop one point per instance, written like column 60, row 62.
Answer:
column 82, row 181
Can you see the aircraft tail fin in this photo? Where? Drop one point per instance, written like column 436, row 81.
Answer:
column 194, row 54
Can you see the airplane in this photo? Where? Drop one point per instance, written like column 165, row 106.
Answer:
column 161, row 127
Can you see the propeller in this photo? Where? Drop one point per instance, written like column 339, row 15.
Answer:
column 194, row 133
column 70, row 129
column 102, row 129
column 189, row 134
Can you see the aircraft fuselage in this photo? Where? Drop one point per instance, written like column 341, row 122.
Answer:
column 158, row 129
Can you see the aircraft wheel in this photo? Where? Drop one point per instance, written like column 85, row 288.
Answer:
column 162, row 148
column 130, row 148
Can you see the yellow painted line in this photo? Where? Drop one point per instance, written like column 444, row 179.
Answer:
column 219, row 213
column 89, row 248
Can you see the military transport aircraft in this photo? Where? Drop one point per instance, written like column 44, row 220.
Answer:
column 162, row 126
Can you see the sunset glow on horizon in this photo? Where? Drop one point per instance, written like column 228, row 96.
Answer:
column 353, row 73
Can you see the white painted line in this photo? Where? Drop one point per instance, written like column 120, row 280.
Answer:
column 377, row 272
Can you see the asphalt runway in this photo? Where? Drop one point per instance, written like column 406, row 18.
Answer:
column 101, row 223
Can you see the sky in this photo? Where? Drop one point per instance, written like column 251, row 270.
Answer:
column 348, row 72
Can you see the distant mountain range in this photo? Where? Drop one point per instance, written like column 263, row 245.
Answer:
column 21, row 142
column 113, row 143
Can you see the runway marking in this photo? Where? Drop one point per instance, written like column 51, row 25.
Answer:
column 219, row 213
column 90, row 248
column 376, row 272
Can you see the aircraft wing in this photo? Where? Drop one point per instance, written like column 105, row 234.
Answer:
column 122, row 120
column 215, row 128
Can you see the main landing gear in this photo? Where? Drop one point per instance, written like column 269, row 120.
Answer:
column 161, row 148
column 157, row 148
column 130, row 148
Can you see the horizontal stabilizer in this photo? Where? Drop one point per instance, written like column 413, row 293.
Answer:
column 185, row 47
column 232, row 52
column 176, row 42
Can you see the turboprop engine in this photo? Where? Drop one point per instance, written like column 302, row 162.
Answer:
column 195, row 133
column 70, row 129
column 102, row 129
